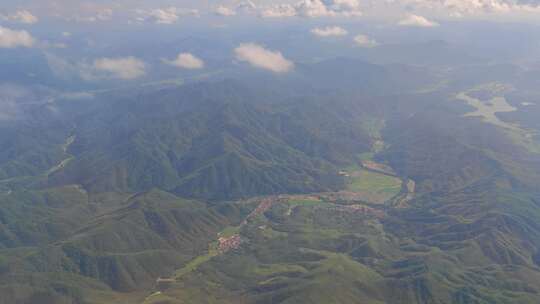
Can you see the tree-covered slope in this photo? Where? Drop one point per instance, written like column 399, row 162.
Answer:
column 77, row 247
column 212, row 142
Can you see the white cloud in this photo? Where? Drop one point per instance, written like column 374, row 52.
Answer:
column 279, row 11
column 418, row 21
column 343, row 4
column 329, row 31
column 224, row 11
column 187, row 61
column 260, row 57
column 22, row 16
column 314, row 9
column 347, row 8
column 167, row 15
column 246, row 7
column 365, row 41
column 390, row 9
column 164, row 16
column 67, row 70
column 472, row 7
column 13, row 38
column 122, row 68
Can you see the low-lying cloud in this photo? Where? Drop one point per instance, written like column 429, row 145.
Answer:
column 279, row 11
column 314, row 9
column 224, row 11
column 260, row 57
column 15, row 99
column 365, row 41
column 15, row 38
column 122, row 68
column 9, row 97
column 169, row 15
column 417, row 21
column 186, row 61
column 329, row 31
column 22, row 16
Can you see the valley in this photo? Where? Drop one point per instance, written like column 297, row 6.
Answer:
column 372, row 189
column 69, row 141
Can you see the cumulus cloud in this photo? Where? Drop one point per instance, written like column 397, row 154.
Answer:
column 387, row 8
column 471, row 7
column 343, row 4
column 186, row 61
column 260, row 57
column 164, row 16
column 329, row 31
column 122, row 68
column 224, row 11
column 418, row 21
column 315, row 9
column 247, row 7
column 279, row 11
column 167, row 15
column 345, row 7
column 13, row 38
column 365, row 41
column 22, row 16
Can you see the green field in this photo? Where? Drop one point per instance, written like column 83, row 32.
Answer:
column 229, row 231
column 375, row 186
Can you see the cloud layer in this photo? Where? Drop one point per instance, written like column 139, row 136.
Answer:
column 260, row 57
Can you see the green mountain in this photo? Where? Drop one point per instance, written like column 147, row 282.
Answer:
column 312, row 189
column 211, row 142
column 77, row 246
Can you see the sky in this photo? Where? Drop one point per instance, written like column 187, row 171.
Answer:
column 76, row 37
